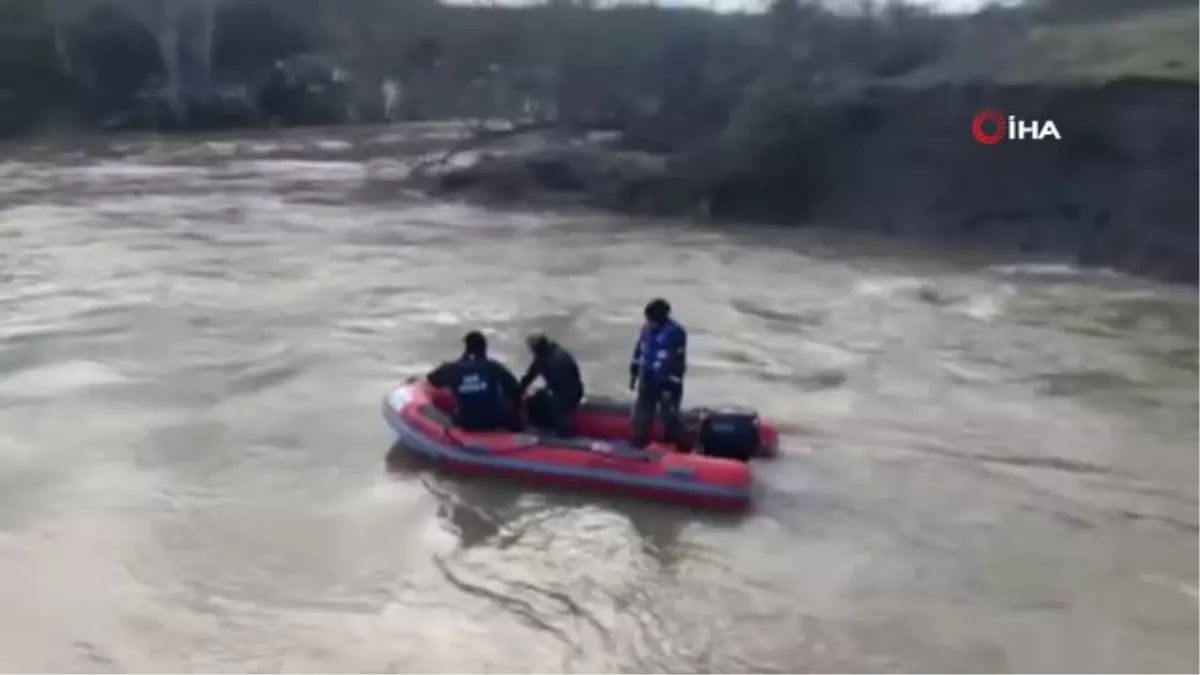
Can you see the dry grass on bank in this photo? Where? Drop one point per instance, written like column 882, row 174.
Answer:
column 1160, row 43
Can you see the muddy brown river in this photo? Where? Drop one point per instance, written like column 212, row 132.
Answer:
column 987, row 466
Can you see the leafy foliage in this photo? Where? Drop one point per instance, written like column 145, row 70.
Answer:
column 563, row 59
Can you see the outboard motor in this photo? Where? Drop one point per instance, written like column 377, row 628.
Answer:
column 730, row 432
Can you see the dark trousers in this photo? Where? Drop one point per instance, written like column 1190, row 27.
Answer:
column 500, row 421
column 662, row 404
column 553, row 410
column 498, row 416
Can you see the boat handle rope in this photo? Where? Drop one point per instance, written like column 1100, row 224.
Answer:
column 531, row 440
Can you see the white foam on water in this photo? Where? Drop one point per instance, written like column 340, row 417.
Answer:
column 223, row 148
column 59, row 379
column 445, row 319
column 109, row 170
column 888, row 286
column 297, row 168
column 1050, row 270
column 984, row 307
column 330, row 144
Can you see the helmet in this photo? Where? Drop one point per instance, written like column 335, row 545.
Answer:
column 537, row 342
column 475, row 344
column 658, row 310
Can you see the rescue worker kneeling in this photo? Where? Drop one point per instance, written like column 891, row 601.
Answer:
column 485, row 391
column 553, row 406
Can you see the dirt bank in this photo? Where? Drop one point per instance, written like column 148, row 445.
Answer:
column 1119, row 189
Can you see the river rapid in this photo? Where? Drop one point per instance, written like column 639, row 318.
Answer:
column 986, row 466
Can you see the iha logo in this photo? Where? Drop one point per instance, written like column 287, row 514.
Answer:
column 992, row 126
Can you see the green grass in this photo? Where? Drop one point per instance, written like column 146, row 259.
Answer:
column 1155, row 43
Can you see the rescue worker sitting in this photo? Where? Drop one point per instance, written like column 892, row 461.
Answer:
column 485, row 392
column 656, row 372
column 553, row 406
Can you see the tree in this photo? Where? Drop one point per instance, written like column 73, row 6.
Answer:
column 184, row 32
column 31, row 75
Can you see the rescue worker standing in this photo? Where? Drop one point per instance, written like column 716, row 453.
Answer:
column 656, row 372
column 554, row 405
column 485, row 391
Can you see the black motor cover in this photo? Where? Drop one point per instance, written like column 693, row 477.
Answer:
column 730, row 432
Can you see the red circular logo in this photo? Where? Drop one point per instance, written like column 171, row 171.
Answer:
column 996, row 120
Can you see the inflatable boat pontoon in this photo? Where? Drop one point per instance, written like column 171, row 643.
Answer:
column 716, row 475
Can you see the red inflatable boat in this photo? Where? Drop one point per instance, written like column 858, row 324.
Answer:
column 716, row 475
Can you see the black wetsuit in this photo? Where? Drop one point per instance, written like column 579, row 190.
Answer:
column 554, row 405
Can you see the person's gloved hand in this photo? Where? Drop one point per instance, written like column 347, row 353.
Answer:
column 632, row 382
column 665, row 395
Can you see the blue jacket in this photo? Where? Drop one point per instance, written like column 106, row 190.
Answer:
column 485, row 392
column 660, row 356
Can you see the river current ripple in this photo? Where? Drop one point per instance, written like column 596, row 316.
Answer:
column 987, row 467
